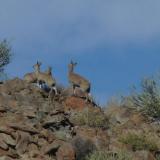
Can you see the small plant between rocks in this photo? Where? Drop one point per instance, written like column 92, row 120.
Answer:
column 91, row 118
column 139, row 142
column 148, row 100
column 106, row 155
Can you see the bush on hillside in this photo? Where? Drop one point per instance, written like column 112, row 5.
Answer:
column 105, row 155
column 148, row 100
column 91, row 118
column 83, row 147
column 5, row 56
column 139, row 142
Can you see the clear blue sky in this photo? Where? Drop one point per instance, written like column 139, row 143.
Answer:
column 115, row 42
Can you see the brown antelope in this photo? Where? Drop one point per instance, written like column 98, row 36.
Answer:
column 49, row 71
column 30, row 77
column 45, row 77
column 78, row 81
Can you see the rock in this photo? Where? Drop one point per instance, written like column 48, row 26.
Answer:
column 117, row 115
column 15, row 85
column 5, row 158
column 67, row 152
column 5, row 129
column 143, row 155
column 12, row 153
column 3, row 109
column 30, row 113
column 74, row 103
column 98, row 137
column 3, row 145
column 33, row 150
column 53, row 147
column 54, row 121
column 42, row 142
column 47, row 135
column 22, row 140
column 24, row 127
column 32, row 128
column 8, row 139
column 67, row 92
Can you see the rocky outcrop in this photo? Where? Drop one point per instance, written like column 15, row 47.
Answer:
column 34, row 128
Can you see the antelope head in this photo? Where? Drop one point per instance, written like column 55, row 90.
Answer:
column 71, row 66
column 37, row 66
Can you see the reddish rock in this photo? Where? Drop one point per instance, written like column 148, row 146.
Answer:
column 47, row 149
column 75, row 103
column 67, row 152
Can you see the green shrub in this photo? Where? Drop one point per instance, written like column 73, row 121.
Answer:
column 5, row 57
column 104, row 155
column 91, row 118
column 5, row 54
column 148, row 100
column 158, row 157
column 139, row 142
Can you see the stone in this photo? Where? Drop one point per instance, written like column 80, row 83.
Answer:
column 143, row 155
column 3, row 145
column 67, row 152
column 24, row 127
column 22, row 140
column 5, row 158
column 53, row 147
column 74, row 103
column 33, row 150
column 5, row 129
column 98, row 137
column 8, row 139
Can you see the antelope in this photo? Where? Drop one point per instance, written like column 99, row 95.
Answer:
column 49, row 70
column 78, row 81
column 30, row 77
column 45, row 77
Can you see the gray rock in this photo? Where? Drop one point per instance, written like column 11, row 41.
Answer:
column 7, row 139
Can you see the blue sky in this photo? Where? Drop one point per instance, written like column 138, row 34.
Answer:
column 116, row 43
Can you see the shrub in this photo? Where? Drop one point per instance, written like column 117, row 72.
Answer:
column 5, row 54
column 91, row 118
column 158, row 157
column 148, row 100
column 5, row 57
column 139, row 142
column 104, row 155
column 82, row 147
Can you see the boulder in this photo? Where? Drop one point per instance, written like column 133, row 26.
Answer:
column 66, row 151
column 74, row 103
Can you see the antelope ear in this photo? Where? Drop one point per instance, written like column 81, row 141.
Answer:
column 50, row 67
column 39, row 63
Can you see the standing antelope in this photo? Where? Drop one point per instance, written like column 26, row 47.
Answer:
column 78, row 81
column 30, row 77
column 45, row 77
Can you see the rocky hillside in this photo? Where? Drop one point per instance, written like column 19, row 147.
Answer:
column 33, row 127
